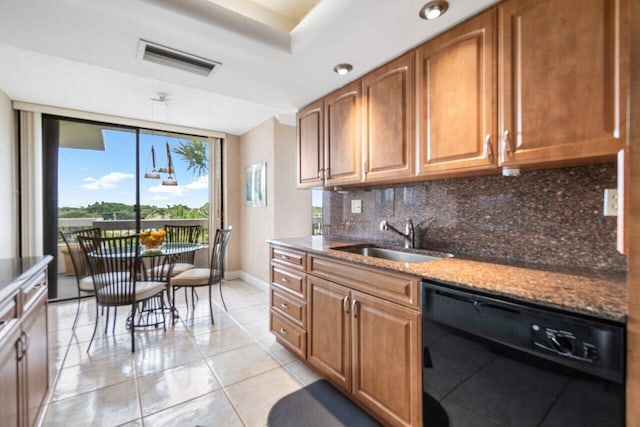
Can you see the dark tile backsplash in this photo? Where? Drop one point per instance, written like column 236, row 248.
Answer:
column 550, row 217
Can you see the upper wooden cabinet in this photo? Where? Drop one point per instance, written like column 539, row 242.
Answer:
column 389, row 117
column 457, row 114
column 563, row 80
column 343, row 135
column 310, row 137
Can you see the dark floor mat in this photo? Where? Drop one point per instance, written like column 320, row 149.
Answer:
column 318, row 405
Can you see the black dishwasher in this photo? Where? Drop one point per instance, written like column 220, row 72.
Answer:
column 495, row 362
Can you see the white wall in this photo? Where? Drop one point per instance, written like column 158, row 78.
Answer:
column 8, row 179
column 232, row 194
column 288, row 210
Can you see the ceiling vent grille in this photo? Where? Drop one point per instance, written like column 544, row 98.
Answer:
column 163, row 55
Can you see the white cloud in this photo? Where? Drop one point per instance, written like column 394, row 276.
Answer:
column 176, row 190
column 201, row 183
column 106, row 182
column 158, row 197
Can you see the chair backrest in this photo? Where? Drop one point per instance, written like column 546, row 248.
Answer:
column 217, row 254
column 183, row 234
column 75, row 252
column 113, row 262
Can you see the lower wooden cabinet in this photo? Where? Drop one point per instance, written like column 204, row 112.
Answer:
column 24, row 365
column 369, row 347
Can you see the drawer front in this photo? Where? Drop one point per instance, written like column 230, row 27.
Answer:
column 290, row 281
column 32, row 291
column 288, row 334
column 290, row 308
column 398, row 288
column 8, row 314
column 289, row 257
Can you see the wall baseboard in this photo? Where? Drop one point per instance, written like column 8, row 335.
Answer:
column 248, row 278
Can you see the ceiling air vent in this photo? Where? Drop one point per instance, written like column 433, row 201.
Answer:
column 156, row 53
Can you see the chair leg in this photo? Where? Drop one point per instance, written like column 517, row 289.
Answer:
column 133, row 313
column 173, row 306
column 75, row 321
column 106, row 323
column 95, row 328
column 210, row 304
column 221, row 297
column 115, row 314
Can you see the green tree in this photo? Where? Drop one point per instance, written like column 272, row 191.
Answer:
column 194, row 154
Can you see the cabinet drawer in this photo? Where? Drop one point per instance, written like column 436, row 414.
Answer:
column 290, row 308
column 8, row 314
column 392, row 287
column 288, row 334
column 289, row 257
column 33, row 290
column 290, row 281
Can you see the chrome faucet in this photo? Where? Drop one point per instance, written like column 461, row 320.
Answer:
column 409, row 235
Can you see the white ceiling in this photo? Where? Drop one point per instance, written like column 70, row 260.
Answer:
column 82, row 55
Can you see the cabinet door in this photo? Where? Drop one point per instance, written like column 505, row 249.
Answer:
column 389, row 108
column 386, row 365
column 329, row 335
column 457, row 114
column 563, row 80
column 9, row 378
column 36, row 360
column 310, row 145
column 343, row 135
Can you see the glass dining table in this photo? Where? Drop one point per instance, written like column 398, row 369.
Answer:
column 157, row 266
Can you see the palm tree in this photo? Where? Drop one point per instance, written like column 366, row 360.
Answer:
column 194, row 154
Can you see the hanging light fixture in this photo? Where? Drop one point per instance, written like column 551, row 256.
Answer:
column 154, row 172
column 171, row 181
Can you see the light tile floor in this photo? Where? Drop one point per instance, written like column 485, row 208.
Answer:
column 194, row 373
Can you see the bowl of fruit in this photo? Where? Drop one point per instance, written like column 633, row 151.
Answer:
column 152, row 239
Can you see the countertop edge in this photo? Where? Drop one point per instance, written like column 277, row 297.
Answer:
column 20, row 280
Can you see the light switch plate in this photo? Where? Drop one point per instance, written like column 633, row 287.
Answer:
column 610, row 202
column 356, row 206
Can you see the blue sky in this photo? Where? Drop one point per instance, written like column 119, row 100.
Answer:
column 88, row 176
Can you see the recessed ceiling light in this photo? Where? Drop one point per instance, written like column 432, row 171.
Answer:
column 343, row 69
column 433, row 9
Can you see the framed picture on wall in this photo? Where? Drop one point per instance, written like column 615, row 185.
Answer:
column 256, row 185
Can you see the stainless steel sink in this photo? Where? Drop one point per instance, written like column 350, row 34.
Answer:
column 394, row 254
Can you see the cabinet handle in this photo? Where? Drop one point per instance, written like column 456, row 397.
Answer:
column 284, row 257
column 283, row 331
column 345, row 304
column 488, row 148
column 327, row 173
column 284, row 305
column 365, row 167
column 353, row 309
column 284, row 280
column 3, row 322
column 321, row 174
column 27, row 342
column 506, row 143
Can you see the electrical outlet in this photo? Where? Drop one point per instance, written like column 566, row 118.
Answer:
column 610, row 202
column 356, row 206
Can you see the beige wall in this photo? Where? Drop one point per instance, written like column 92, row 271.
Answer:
column 232, row 193
column 287, row 211
column 293, row 207
column 8, row 179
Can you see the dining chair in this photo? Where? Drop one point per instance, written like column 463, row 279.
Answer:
column 84, row 281
column 197, row 277
column 108, row 258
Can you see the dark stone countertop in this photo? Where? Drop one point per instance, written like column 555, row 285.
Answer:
column 600, row 294
column 14, row 272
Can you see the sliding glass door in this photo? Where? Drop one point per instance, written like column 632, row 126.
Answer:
column 123, row 180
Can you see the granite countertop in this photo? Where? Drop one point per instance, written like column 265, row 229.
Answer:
column 14, row 272
column 603, row 295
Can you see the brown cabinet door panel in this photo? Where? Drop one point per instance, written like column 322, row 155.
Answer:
column 389, row 108
column 386, row 375
column 310, row 145
column 329, row 336
column 36, row 357
column 457, row 98
column 343, row 135
column 9, row 378
column 563, row 80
